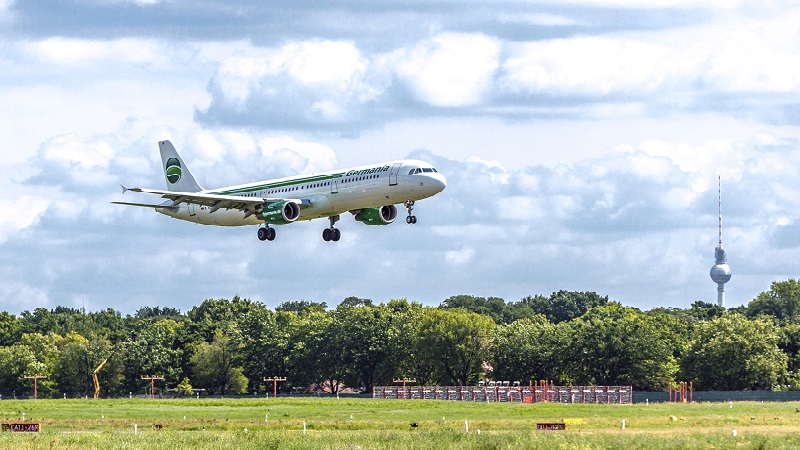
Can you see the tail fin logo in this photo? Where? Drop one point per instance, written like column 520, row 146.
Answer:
column 173, row 170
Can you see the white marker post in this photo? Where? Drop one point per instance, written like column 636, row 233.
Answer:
column 466, row 425
column 623, row 424
column 135, row 429
column 304, row 428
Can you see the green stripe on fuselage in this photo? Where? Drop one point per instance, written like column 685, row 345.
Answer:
column 294, row 182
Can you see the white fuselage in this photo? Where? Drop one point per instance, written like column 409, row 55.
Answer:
column 325, row 194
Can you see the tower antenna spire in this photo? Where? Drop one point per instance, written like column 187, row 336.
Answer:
column 719, row 207
column 721, row 271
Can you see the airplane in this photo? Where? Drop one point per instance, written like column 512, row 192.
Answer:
column 369, row 193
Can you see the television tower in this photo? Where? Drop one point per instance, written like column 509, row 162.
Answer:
column 721, row 272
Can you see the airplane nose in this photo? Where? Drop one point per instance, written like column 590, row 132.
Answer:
column 443, row 182
column 439, row 182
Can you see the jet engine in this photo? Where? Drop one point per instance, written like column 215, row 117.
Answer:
column 377, row 216
column 280, row 213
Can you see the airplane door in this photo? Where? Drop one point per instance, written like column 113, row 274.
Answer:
column 192, row 211
column 334, row 187
column 393, row 174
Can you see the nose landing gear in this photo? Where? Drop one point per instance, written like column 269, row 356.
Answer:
column 332, row 233
column 409, row 204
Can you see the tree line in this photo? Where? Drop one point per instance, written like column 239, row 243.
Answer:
column 228, row 347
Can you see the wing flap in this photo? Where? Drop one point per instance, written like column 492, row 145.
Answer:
column 144, row 205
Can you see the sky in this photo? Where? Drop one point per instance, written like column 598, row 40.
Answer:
column 582, row 142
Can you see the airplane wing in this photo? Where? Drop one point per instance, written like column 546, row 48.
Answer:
column 248, row 205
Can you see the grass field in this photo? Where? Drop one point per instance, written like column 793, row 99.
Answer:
column 278, row 423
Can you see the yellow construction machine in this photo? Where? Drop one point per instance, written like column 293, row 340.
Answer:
column 94, row 375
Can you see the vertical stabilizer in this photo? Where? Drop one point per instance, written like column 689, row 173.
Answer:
column 178, row 177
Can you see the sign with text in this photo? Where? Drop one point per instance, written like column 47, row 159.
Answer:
column 551, row 426
column 21, row 427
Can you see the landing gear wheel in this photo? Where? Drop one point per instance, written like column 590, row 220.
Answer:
column 266, row 234
column 331, row 233
column 409, row 204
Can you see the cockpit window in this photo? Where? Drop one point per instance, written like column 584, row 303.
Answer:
column 422, row 170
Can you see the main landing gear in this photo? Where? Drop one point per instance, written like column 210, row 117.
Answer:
column 266, row 233
column 410, row 207
column 332, row 233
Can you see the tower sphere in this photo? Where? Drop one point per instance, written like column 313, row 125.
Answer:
column 721, row 273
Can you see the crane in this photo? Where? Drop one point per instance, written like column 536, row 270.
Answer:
column 94, row 375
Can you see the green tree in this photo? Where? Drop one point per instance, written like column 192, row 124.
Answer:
column 703, row 311
column 156, row 350
column 268, row 339
column 14, row 363
column 219, row 314
column 299, row 306
column 10, row 329
column 614, row 345
column 362, row 334
column 78, row 357
column 526, row 350
column 184, row 387
column 316, row 355
column 455, row 343
column 734, row 353
column 493, row 307
column 782, row 302
column 563, row 306
column 41, row 321
column 216, row 366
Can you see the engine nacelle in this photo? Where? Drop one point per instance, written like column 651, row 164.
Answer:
column 377, row 216
column 280, row 213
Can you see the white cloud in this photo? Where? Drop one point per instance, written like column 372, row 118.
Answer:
column 5, row 10
column 591, row 65
column 460, row 257
column 18, row 296
column 546, row 20
column 66, row 51
column 331, row 76
column 449, row 69
column 710, row 4
column 20, row 213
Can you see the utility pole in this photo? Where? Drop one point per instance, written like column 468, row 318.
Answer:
column 35, row 384
column 275, row 384
column 152, row 379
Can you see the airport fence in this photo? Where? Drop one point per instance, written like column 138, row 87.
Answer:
column 533, row 393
